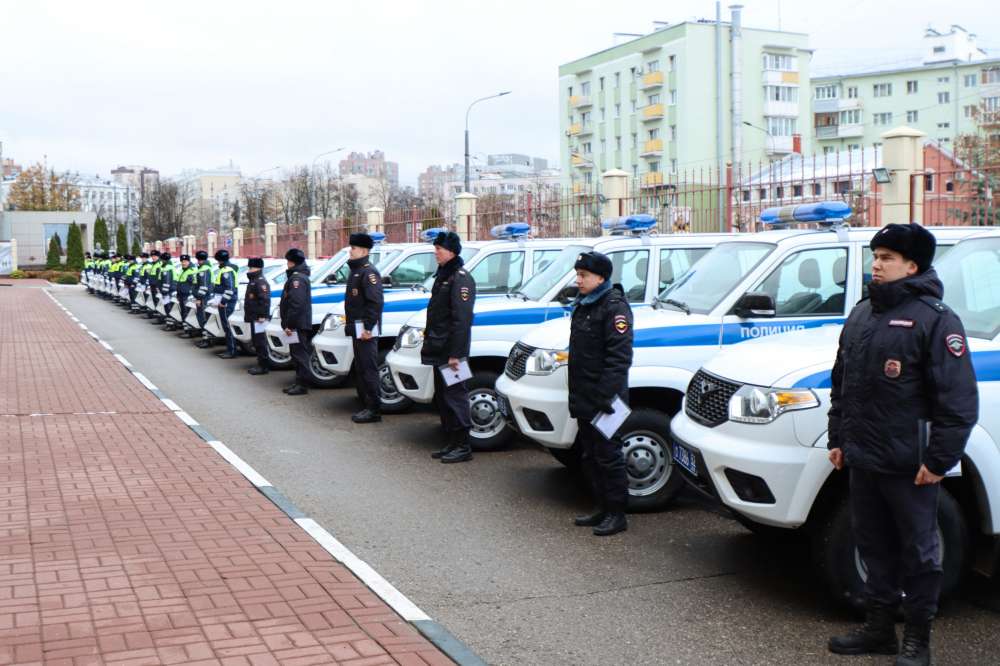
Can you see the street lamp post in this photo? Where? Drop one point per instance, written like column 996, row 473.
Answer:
column 770, row 136
column 481, row 99
column 312, row 179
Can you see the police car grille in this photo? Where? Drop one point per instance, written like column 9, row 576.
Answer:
column 708, row 398
column 517, row 361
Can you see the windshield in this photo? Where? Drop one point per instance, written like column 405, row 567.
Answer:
column 384, row 257
column 542, row 283
column 716, row 274
column 328, row 266
column 467, row 254
column 272, row 272
column 971, row 276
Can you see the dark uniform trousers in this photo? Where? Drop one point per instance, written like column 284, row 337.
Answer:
column 260, row 346
column 895, row 523
column 225, row 310
column 604, row 464
column 301, row 355
column 201, row 315
column 366, row 367
column 452, row 403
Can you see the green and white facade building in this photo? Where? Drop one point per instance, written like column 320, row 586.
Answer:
column 652, row 106
column 951, row 90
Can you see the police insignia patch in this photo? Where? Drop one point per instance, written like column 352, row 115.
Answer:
column 372, row 279
column 956, row 344
column 295, row 284
column 893, row 368
column 354, row 292
column 621, row 323
column 463, row 292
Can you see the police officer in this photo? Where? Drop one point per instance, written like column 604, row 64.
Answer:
column 224, row 285
column 446, row 343
column 295, row 308
column 88, row 270
column 902, row 404
column 363, row 312
column 600, row 354
column 153, row 283
column 185, row 289
column 143, row 280
column 257, row 310
column 131, row 272
column 166, row 286
column 203, row 287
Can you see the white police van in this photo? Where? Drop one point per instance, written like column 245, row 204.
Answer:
column 753, row 434
column 499, row 267
column 643, row 263
column 747, row 287
column 402, row 265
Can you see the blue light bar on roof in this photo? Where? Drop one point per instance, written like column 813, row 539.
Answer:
column 511, row 230
column 632, row 223
column 377, row 237
column 826, row 212
column 429, row 235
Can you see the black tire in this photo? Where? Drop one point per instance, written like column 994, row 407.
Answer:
column 569, row 457
column 490, row 431
column 279, row 361
column 653, row 481
column 393, row 402
column 320, row 377
column 836, row 557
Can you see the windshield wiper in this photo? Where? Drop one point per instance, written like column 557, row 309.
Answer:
column 677, row 304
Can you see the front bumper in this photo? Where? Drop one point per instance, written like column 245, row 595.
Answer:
column 413, row 379
column 275, row 340
column 545, row 397
column 335, row 351
column 242, row 331
column 752, row 473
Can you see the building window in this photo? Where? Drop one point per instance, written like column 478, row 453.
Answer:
column 618, row 143
column 602, row 114
column 781, row 93
column 635, row 170
column 673, row 165
column 943, row 79
column 969, row 80
column 911, row 87
column 585, row 88
column 635, row 139
column 654, row 166
column 780, row 126
column 745, row 195
column 653, row 99
column 943, row 125
column 912, row 116
column 600, row 83
column 585, row 118
column 653, row 66
column 882, row 89
column 672, row 60
column 991, row 104
column 938, row 49
column 762, row 193
column 618, row 110
column 779, row 192
column 654, row 133
column 943, row 139
column 796, row 190
column 822, row 92
column 991, row 75
column 817, row 189
column 779, row 62
column 969, row 110
column 673, row 97
column 586, row 148
column 850, row 117
column 827, row 150
column 604, row 146
column 881, row 118
column 852, row 92
column 673, row 132
column 943, row 98
column 854, row 146
column 570, row 91
column 618, row 79
column 633, row 106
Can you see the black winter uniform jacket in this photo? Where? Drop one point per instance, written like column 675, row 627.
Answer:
column 600, row 353
column 295, row 307
column 448, row 331
column 363, row 300
column 257, row 299
column 903, row 363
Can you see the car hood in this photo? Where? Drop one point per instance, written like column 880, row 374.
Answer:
column 799, row 358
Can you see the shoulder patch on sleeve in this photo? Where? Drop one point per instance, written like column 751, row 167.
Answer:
column 956, row 344
column 464, row 293
column 295, row 284
column 621, row 323
column 372, row 278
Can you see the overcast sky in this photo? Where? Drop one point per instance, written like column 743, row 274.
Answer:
column 183, row 84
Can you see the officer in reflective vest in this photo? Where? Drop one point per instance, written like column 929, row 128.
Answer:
column 166, row 286
column 88, row 270
column 185, row 287
column 224, row 285
column 131, row 269
column 202, row 290
column 153, row 283
column 143, row 281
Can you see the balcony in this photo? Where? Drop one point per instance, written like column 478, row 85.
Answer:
column 836, row 104
column 585, row 129
column 651, row 179
column 652, row 147
column 584, row 161
column 581, row 189
column 652, row 80
column 779, row 145
column 781, row 109
column 826, row 132
column 652, row 112
column 851, row 131
column 773, row 77
column 574, row 129
column 989, row 119
column 579, row 101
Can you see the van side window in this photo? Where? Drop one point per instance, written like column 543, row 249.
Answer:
column 809, row 283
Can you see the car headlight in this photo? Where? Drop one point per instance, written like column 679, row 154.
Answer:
column 758, row 404
column 332, row 322
column 546, row 361
column 410, row 337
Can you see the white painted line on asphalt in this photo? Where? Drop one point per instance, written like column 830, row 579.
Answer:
column 246, row 470
column 121, row 359
column 145, row 382
column 171, row 405
column 187, row 418
column 380, row 586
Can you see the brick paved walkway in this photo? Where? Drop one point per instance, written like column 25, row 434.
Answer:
column 125, row 539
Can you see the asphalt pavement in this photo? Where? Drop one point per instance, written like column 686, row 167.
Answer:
column 488, row 548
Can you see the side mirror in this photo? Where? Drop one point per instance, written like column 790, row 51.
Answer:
column 387, row 280
column 755, row 304
column 330, row 279
column 568, row 293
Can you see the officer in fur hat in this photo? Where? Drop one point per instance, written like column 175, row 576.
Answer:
column 363, row 312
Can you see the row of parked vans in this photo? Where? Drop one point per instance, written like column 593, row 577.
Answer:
column 734, row 340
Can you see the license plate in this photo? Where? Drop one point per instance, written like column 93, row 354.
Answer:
column 503, row 406
column 684, row 457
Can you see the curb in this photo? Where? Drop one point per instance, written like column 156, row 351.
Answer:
column 433, row 631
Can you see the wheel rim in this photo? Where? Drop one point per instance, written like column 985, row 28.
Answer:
column 486, row 418
column 318, row 371
column 388, row 393
column 277, row 357
column 647, row 463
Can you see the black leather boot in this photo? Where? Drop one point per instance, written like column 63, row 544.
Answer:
column 462, row 452
column 446, row 449
column 366, row 416
column 298, row 389
column 257, row 370
column 591, row 519
column 613, row 523
column 876, row 636
column 916, row 649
